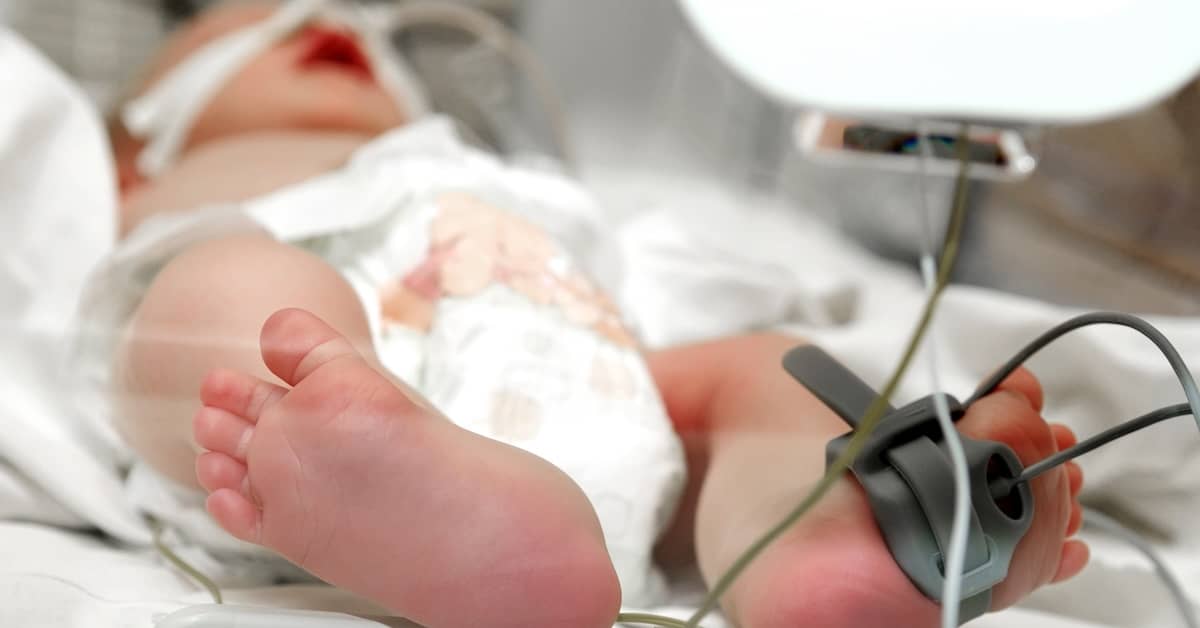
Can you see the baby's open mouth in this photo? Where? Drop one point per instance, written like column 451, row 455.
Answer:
column 329, row 47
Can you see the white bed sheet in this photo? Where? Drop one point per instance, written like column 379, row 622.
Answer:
column 57, row 578
column 699, row 267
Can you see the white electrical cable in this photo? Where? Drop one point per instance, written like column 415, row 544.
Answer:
column 394, row 74
column 956, row 553
column 1092, row 518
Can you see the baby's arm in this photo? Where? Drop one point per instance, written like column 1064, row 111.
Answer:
column 756, row 443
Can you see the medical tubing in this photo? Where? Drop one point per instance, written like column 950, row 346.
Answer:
column 1091, row 517
column 957, row 550
column 183, row 565
column 1098, row 318
column 1112, row 526
column 396, row 77
column 144, row 115
column 874, row 412
column 648, row 619
column 493, row 32
column 1003, row 487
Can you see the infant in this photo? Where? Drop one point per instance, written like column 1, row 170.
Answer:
column 400, row 378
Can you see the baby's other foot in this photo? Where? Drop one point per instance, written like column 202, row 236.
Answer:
column 834, row 569
column 353, row 480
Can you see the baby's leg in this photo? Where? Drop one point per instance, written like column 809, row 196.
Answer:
column 205, row 310
column 347, row 474
column 762, row 437
column 348, row 477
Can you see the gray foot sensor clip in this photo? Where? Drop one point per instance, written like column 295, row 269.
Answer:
column 905, row 470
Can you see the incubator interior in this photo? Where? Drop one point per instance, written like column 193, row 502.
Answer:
column 724, row 210
column 641, row 94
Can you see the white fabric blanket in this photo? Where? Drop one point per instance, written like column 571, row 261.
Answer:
column 696, row 269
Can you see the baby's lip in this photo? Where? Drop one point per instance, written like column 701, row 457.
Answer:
column 330, row 47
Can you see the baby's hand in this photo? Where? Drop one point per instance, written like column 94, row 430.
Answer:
column 1047, row 554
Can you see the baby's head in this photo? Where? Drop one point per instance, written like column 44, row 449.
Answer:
column 317, row 78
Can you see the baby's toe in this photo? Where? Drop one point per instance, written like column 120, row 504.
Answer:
column 238, row 393
column 295, row 343
column 236, row 514
column 1009, row 417
column 1075, row 555
column 1075, row 520
column 1024, row 383
column 1074, row 478
column 222, row 432
column 216, row 471
column 1064, row 437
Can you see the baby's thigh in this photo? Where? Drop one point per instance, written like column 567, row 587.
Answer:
column 204, row 310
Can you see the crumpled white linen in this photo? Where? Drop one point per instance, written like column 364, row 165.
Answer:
column 58, row 213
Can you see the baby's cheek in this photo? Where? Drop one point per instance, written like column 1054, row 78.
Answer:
column 252, row 99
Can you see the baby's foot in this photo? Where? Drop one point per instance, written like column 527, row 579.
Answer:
column 353, row 480
column 834, row 569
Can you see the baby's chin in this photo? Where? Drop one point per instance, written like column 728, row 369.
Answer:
column 346, row 122
column 314, row 120
column 337, row 99
column 301, row 101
